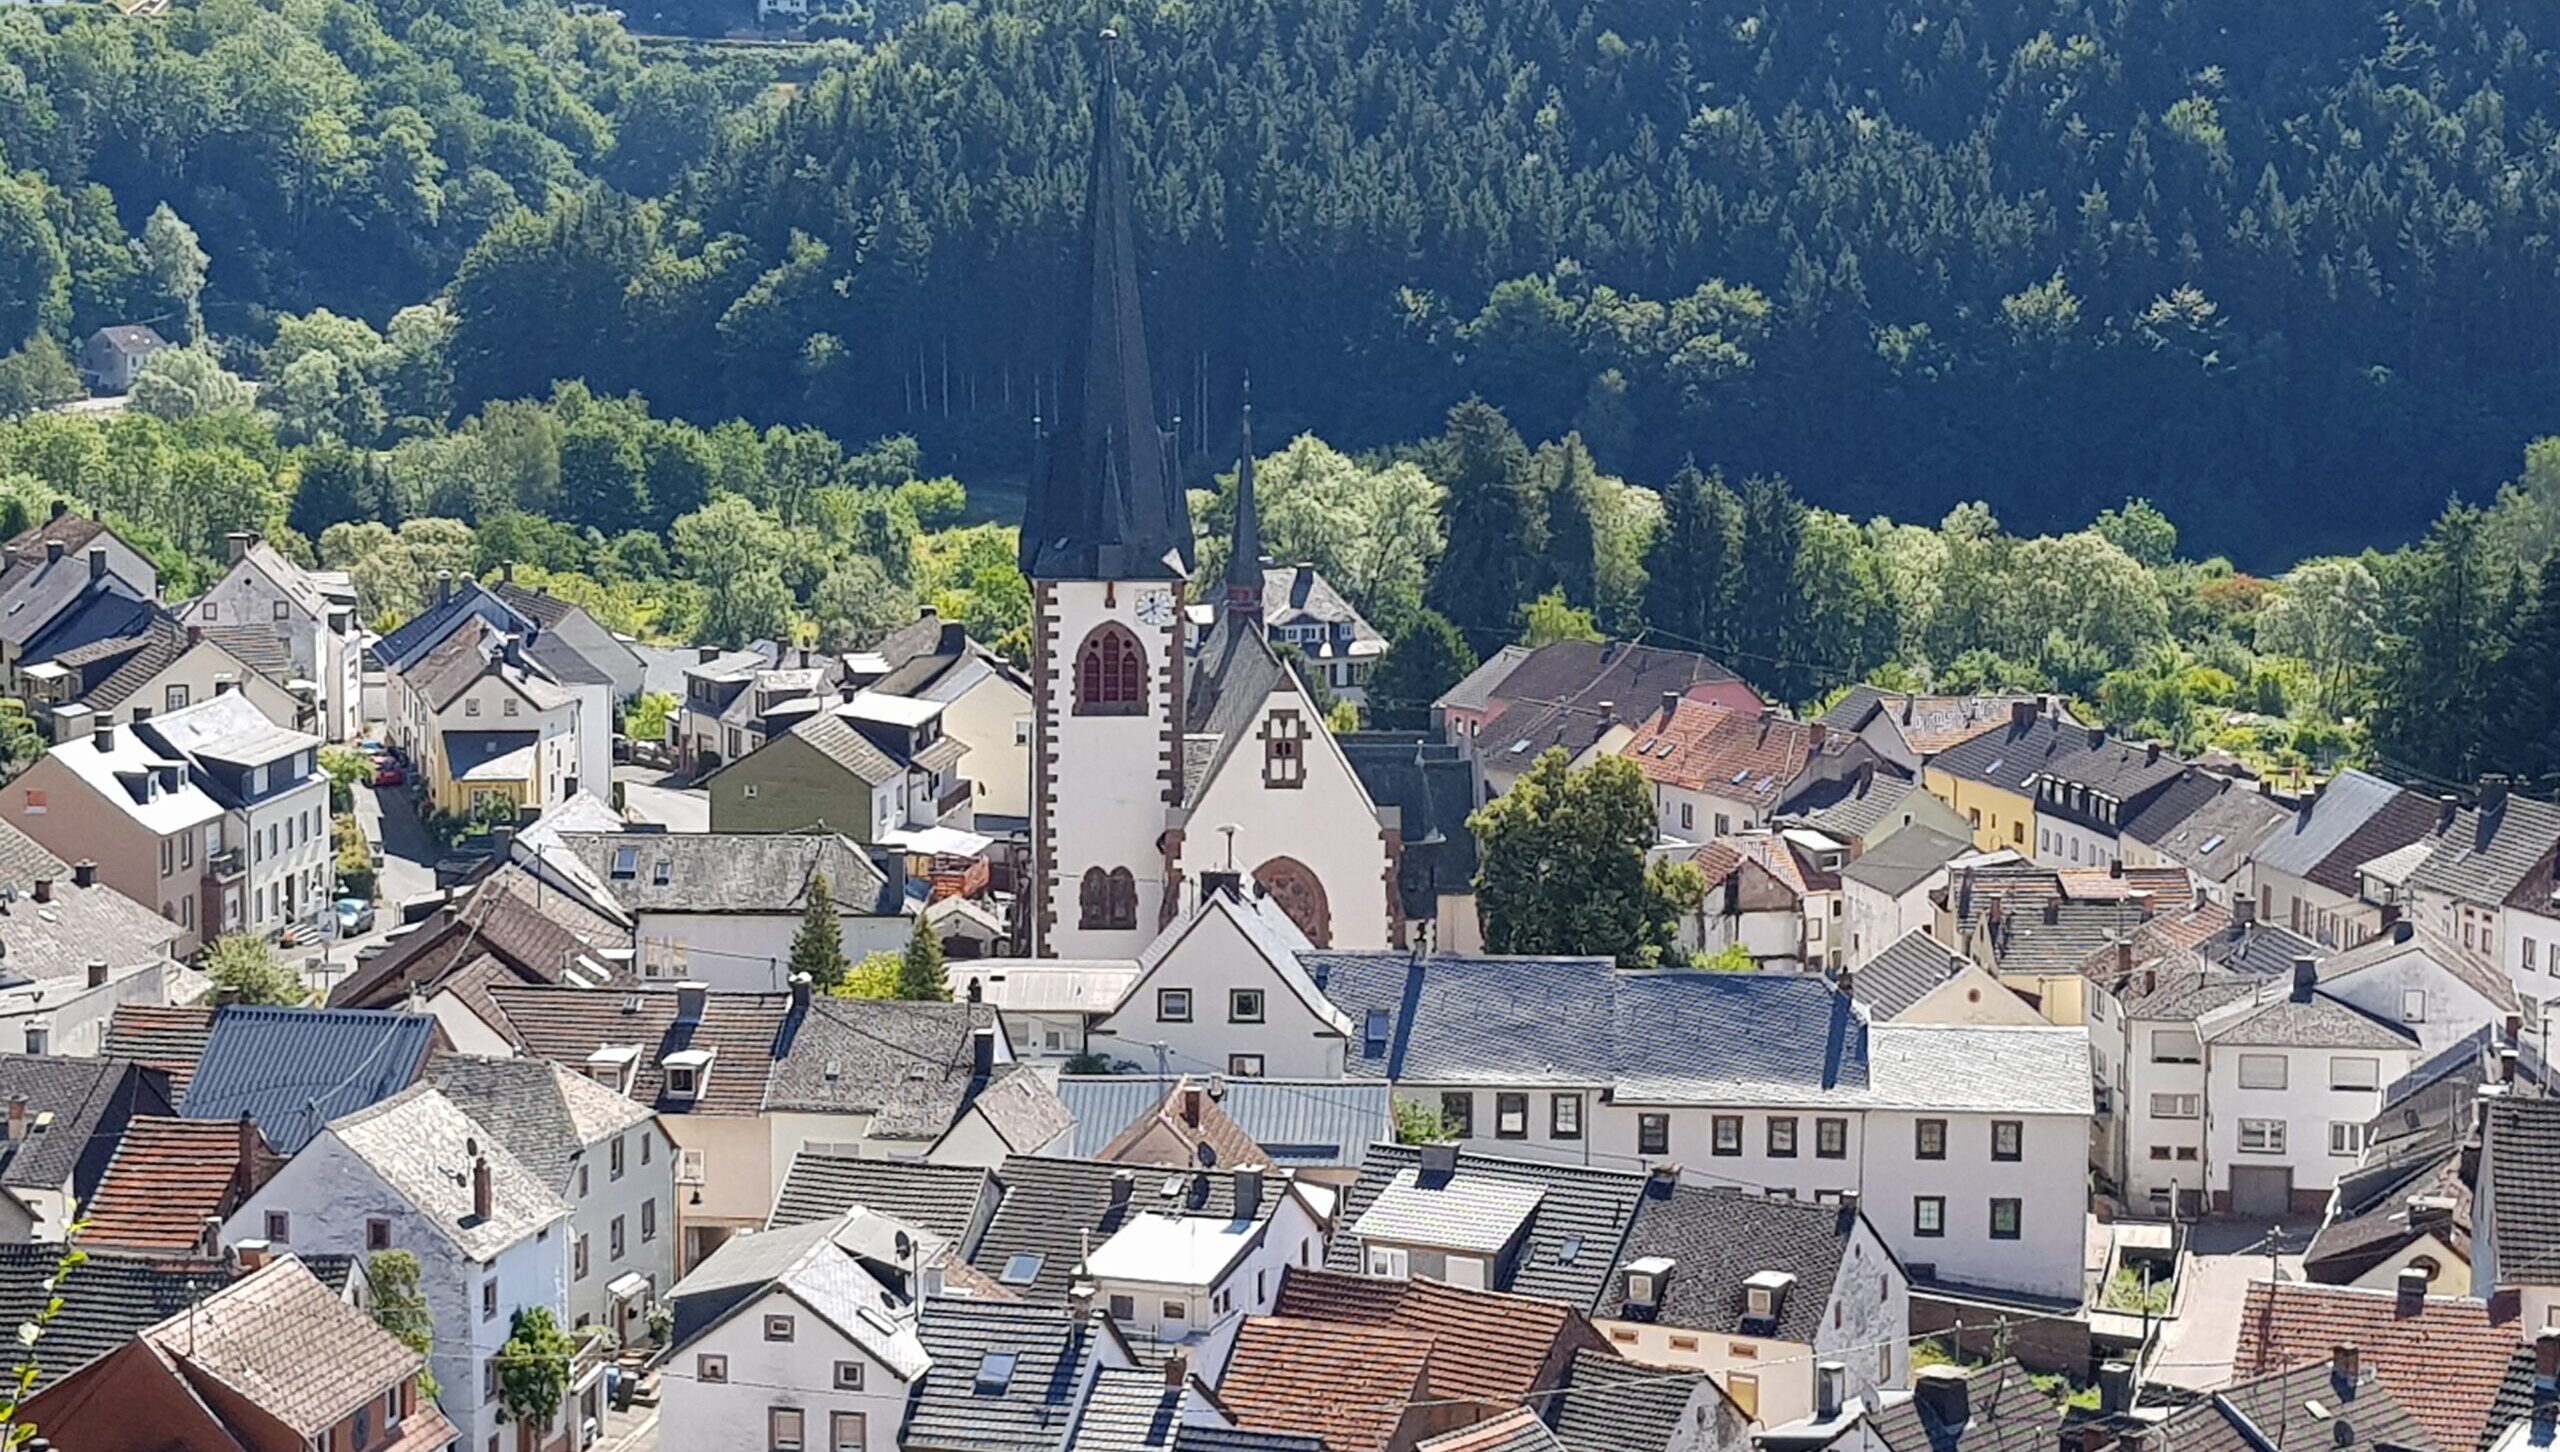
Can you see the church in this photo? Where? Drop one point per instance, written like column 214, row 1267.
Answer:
column 1155, row 770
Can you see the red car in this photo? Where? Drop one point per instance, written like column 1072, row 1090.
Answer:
column 387, row 772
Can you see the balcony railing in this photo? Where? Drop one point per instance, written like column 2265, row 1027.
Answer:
column 226, row 864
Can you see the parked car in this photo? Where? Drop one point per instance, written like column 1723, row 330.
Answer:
column 355, row 916
column 387, row 772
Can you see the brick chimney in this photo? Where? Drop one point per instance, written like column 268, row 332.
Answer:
column 1190, row 1104
column 483, row 1192
column 84, row 873
column 97, row 973
column 43, row 889
column 2411, row 1291
column 2346, row 1364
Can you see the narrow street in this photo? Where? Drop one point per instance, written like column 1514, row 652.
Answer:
column 2225, row 1257
column 408, row 871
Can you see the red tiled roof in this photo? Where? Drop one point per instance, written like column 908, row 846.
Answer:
column 2443, row 1364
column 1715, row 749
column 168, row 1039
column 1349, row 1385
column 169, row 1175
column 1484, row 1344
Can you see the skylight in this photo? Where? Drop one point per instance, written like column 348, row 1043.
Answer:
column 2209, row 844
column 1020, row 1269
column 1570, row 1250
column 626, row 861
column 995, row 1372
column 1993, row 769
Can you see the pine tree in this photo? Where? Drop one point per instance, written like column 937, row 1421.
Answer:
column 2428, row 694
column 1494, row 536
column 1693, row 567
column 818, row 948
column 1566, row 477
column 2529, row 681
column 1424, row 661
column 920, row 976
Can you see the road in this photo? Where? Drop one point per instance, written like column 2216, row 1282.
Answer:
column 2196, row 1348
column 408, row 871
column 649, row 798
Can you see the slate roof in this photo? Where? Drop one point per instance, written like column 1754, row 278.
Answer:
column 2006, row 1413
column 81, row 925
column 1717, row 1237
column 2259, row 949
column 545, row 1115
column 1239, row 1439
column 1129, row 1410
column 529, row 931
column 2012, row 756
column 1475, row 690
column 2316, row 1021
column 1904, row 860
column 2309, row 845
column 76, row 1107
column 1051, row 1348
column 906, row 1064
column 255, row 648
column 2407, row 938
column 566, row 1025
column 116, row 1295
column 1231, row 678
column 2273, row 1413
column 419, row 1142
column 2442, row 1365
column 2522, row 1396
column 1347, row 1384
column 290, row 1346
column 1720, row 751
column 940, row 1200
column 1053, row 1208
column 1589, row 672
column 2186, row 794
column 1900, row 976
column 1851, row 807
column 2521, row 1166
column 2490, row 855
column 840, row 741
column 733, row 872
column 1513, row 1431
column 170, row 1175
column 1928, row 724
column 2369, row 1216
column 1485, row 1345
column 2220, row 836
column 2024, row 940
column 1573, row 1237
column 1434, row 787
column 112, row 670
column 1622, row 1406
column 1300, row 1123
column 168, row 1038
column 296, row 1069
column 1581, row 1021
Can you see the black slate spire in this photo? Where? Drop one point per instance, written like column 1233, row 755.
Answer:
column 1105, row 504
column 1244, row 561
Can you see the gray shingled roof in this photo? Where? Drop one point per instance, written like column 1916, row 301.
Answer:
column 1130, row 1410
column 1228, row 682
column 113, row 1297
column 1904, row 860
column 1625, row 1406
column 76, row 1111
column 1055, row 1208
column 2522, row 1199
column 1301, row 1123
column 1716, row 1238
column 2217, row 838
column 941, row 1200
column 296, row 1069
column 2313, row 1021
column 1574, row 1235
column 733, row 872
column 1900, row 976
column 1851, row 805
column 2006, row 1413
column 954, row 1408
column 2490, row 854
column 2272, row 1413
column 2320, row 826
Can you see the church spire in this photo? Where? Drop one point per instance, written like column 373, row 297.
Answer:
column 1244, row 561
column 1105, row 503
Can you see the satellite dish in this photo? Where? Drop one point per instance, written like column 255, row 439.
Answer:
column 1207, row 1154
column 905, row 1245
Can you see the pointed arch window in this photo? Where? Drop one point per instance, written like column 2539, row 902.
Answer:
column 1108, row 899
column 1111, row 673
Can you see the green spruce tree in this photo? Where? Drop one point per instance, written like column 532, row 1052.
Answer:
column 818, row 948
column 920, row 976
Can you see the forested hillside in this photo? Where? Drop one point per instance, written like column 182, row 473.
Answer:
column 2250, row 261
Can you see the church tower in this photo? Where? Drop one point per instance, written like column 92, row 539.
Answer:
column 1106, row 543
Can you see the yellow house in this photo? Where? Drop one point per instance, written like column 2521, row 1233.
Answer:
column 1990, row 781
column 491, row 727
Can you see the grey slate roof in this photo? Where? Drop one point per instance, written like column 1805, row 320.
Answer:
column 518, row 1101
column 2520, row 1393
column 942, row 1200
column 2316, row 1021
column 2318, row 828
column 908, row 1065
column 1581, row 1021
column 1129, row 1410
column 1054, row 1208
column 59, row 939
column 2007, row 1414
column 1433, row 787
column 2188, row 793
column 950, row 1410
column 1851, row 804
column 256, row 648
column 1904, row 860
column 733, row 872
column 2258, row 948
column 2218, row 837
column 1900, row 976
column 1574, row 1236
column 1622, row 1406
column 1227, row 684
column 2272, row 1413
column 88, row 1100
column 2521, row 1196
column 2490, row 855
column 1514, row 1431
column 1475, row 690
column 112, row 1297
column 1716, row 1238
column 296, row 1069
column 1302, row 1123
column 1240, row 1439
column 836, row 739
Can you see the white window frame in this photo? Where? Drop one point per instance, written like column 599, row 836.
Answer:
column 2261, row 1136
column 2177, row 1106
column 2254, row 1071
column 2346, row 1069
column 2346, row 1138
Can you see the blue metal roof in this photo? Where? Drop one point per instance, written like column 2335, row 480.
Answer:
column 1303, row 1123
column 295, row 1069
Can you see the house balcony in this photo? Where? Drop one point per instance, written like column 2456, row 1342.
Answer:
column 227, row 865
column 954, row 797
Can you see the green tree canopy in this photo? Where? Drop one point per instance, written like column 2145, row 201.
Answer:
column 1563, row 866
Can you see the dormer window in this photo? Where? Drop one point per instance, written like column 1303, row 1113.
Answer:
column 626, row 863
column 1645, row 1280
column 688, row 1073
column 1763, row 1292
column 612, row 1066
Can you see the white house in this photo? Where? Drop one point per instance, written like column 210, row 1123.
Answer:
column 2488, row 883
column 2292, row 1077
column 275, row 798
column 800, row 1337
column 721, row 908
column 1222, row 991
column 605, row 1155
column 1714, row 770
column 415, row 1173
column 986, row 706
column 2419, row 979
column 1049, row 1004
column 2307, row 871
column 264, row 595
column 1884, row 892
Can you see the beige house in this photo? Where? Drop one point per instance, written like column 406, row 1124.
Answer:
column 154, row 833
column 168, row 667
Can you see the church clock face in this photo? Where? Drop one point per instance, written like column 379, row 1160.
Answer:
column 1155, row 607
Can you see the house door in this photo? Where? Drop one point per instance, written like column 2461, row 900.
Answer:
column 2261, row 1190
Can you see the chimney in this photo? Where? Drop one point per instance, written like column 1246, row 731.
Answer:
column 2493, row 794
column 1177, row 1371
column 690, row 998
column 1941, row 1393
column 97, row 562
column 1848, row 1202
column 511, row 649
column 2151, row 753
column 977, row 990
column 2306, row 976
column 705, row 654
column 84, row 873
column 235, row 546
column 1815, row 734
column 1608, row 711
column 929, row 1282
column 17, row 1117
column 209, row 1238
column 1190, row 1104
column 103, row 736
column 2022, row 714
column 1248, row 1192
column 1664, row 1177
column 2124, row 960
column 444, row 586
column 2115, row 868
column 982, row 1053
column 2143, row 907
column 2244, row 910
column 2115, row 1389
column 801, row 984
column 97, row 973
column 483, row 1194
column 1906, row 708
column 1123, row 1182
column 2347, row 1365
column 249, row 1254
column 60, row 508
column 1213, row 884
column 2052, row 911
column 507, row 572
column 1828, row 1379
column 43, row 890
column 2411, row 1284
column 1439, row 1161
column 248, row 1145
column 1670, row 704
column 2546, row 1354
column 53, row 552
column 2446, row 806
